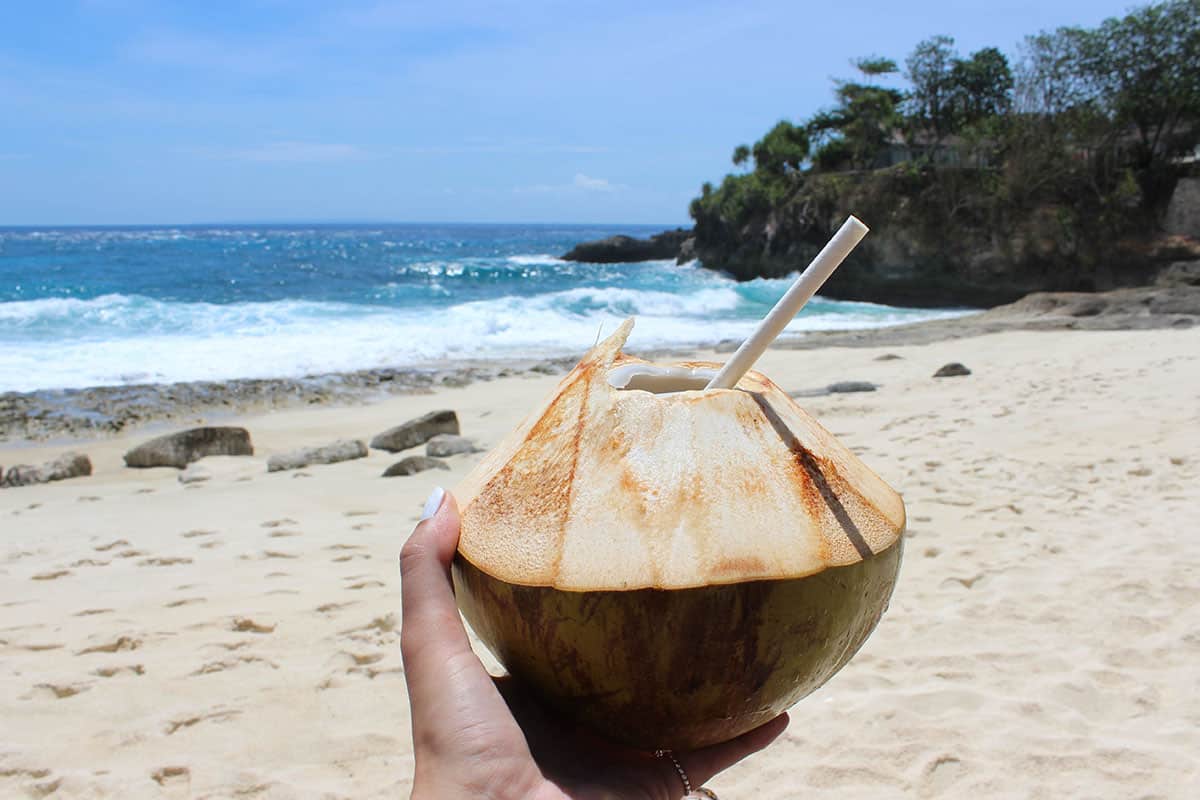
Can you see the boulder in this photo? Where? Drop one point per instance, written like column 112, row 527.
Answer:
column 1180, row 273
column 416, row 431
column 446, row 444
column 341, row 450
column 68, row 465
column 841, row 387
column 952, row 370
column 846, row 387
column 414, row 464
column 182, row 448
column 623, row 249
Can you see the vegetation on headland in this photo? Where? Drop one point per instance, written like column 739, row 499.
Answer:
column 982, row 180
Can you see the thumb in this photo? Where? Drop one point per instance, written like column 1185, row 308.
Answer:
column 431, row 631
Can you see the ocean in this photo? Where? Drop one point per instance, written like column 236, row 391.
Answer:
column 84, row 307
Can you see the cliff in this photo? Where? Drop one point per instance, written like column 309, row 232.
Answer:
column 936, row 240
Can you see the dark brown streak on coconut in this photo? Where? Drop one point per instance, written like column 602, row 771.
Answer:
column 586, row 376
column 809, row 463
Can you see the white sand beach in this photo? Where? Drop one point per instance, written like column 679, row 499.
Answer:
column 239, row 637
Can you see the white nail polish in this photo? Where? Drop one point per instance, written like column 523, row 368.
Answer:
column 433, row 503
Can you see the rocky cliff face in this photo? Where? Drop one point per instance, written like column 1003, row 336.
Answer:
column 952, row 250
column 915, row 257
column 895, row 268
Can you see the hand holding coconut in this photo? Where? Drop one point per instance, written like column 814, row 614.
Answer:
column 474, row 736
column 667, row 556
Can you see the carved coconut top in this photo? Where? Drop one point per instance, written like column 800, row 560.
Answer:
column 605, row 488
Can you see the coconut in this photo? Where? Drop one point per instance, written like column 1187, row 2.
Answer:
column 672, row 566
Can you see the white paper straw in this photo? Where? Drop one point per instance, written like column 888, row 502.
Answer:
column 845, row 240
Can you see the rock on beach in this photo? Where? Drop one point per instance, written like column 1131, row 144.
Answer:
column 182, row 448
column 446, row 444
column 341, row 450
column 414, row 464
column 952, row 370
column 416, row 431
column 68, row 465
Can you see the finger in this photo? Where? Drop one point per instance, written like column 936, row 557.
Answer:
column 431, row 631
column 703, row 764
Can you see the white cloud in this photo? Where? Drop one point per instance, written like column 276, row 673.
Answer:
column 594, row 184
column 579, row 184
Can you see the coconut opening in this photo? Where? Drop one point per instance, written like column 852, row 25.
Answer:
column 660, row 380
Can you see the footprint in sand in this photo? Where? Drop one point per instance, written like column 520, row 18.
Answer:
column 172, row 777
column 221, row 666
column 119, row 644
column 130, row 553
column 106, row 547
column 197, row 532
column 187, row 601
column 247, row 625
column 966, row 583
column 331, row 607
column 362, row 526
column 174, row 726
column 276, row 523
column 87, row 498
column 87, row 612
column 50, row 576
column 62, row 691
column 365, row 585
column 283, row 534
column 941, row 775
column 355, row 513
column 112, row 672
column 164, row 561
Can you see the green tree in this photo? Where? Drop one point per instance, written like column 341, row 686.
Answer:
column 930, row 70
column 980, row 87
column 855, row 132
column 1145, row 72
column 785, row 148
column 741, row 154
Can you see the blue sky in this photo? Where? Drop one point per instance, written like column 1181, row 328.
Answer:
column 129, row 112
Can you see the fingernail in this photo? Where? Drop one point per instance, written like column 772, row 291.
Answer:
column 433, row 503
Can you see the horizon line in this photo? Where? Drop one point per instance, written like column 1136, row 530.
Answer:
column 301, row 221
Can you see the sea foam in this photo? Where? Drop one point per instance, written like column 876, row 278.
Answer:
column 89, row 307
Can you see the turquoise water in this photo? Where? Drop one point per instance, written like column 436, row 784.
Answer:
column 90, row 307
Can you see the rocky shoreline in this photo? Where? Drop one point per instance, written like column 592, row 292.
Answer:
column 107, row 410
